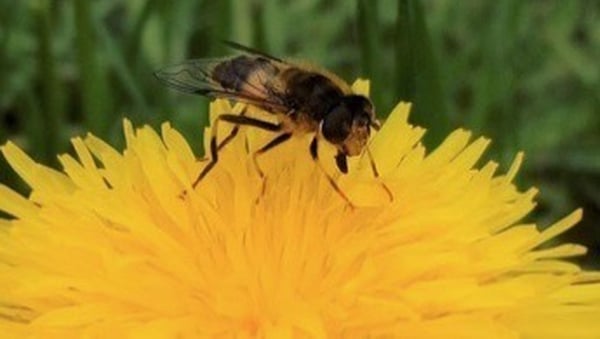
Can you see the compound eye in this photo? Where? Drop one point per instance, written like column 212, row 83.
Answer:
column 362, row 121
column 336, row 125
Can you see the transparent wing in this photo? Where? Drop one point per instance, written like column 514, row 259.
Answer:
column 196, row 76
column 249, row 50
column 191, row 76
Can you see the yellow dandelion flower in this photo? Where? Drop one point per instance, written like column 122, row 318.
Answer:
column 109, row 248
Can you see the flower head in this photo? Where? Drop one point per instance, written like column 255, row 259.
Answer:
column 109, row 247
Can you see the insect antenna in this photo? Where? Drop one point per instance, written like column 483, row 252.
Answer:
column 375, row 124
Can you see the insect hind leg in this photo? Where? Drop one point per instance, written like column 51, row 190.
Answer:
column 238, row 120
column 232, row 134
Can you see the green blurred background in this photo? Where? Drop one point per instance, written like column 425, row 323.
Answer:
column 525, row 73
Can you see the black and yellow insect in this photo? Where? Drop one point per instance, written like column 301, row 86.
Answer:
column 304, row 100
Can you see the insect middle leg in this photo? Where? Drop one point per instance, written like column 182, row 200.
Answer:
column 278, row 140
column 238, row 120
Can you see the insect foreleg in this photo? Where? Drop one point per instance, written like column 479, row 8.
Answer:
column 376, row 173
column 314, row 153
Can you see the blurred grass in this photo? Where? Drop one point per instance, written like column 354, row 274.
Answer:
column 95, row 106
column 417, row 77
column 45, row 124
column 525, row 73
